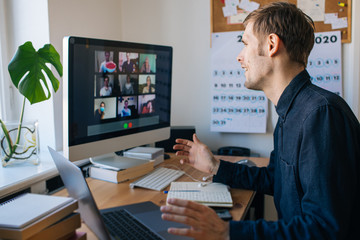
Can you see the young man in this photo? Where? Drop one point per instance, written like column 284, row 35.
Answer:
column 106, row 90
column 314, row 168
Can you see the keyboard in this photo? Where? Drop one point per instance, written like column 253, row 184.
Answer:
column 122, row 225
column 158, row 179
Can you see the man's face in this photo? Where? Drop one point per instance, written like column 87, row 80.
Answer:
column 254, row 60
column 106, row 82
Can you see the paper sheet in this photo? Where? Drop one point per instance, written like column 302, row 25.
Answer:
column 249, row 5
column 314, row 8
column 230, row 8
column 238, row 18
column 336, row 23
column 340, row 23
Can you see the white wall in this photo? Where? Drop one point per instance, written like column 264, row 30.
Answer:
column 85, row 18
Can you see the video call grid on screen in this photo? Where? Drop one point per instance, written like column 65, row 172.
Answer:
column 117, row 88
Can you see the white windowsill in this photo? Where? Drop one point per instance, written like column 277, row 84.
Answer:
column 17, row 177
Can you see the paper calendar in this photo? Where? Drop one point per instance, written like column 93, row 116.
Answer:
column 234, row 108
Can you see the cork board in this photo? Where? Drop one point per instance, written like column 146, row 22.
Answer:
column 219, row 22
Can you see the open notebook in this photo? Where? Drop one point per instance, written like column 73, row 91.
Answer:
column 212, row 194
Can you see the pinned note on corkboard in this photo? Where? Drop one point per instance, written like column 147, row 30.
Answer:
column 334, row 9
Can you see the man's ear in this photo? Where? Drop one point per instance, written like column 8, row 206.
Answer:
column 273, row 44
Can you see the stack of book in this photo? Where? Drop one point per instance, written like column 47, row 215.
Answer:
column 110, row 173
column 37, row 216
column 136, row 162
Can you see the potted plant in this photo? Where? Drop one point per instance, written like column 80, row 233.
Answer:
column 26, row 72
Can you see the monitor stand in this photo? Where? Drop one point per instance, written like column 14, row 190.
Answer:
column 115, row 162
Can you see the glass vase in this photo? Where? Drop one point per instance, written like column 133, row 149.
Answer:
column 27, row 150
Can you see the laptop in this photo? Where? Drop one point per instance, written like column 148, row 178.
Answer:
column 146, row 213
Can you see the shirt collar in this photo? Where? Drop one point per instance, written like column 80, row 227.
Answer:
column 290, row 92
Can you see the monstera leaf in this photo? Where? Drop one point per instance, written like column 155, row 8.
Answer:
column 27, row 70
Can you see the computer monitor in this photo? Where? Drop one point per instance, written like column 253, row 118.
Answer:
column 117, row 95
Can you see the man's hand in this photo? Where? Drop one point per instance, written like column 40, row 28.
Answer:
column 203, row 221
column 197, row 154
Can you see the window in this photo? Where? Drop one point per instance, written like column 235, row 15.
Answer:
column 4, row 79
column 2, row 87
column 2, row 100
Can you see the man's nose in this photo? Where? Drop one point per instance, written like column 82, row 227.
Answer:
column 239, row 58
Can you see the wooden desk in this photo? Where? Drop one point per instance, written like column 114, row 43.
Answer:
column 108, row 194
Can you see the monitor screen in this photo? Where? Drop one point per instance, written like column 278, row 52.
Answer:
column 117, row 95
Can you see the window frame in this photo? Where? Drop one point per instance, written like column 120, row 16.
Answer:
column 5, row 83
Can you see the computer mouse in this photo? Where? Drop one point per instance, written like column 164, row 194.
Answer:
column 247, row 162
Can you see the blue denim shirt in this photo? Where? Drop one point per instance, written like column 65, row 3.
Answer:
column 313, row 171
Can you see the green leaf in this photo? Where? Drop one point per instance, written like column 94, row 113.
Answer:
column 26, row 71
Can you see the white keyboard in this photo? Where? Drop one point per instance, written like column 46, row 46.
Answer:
column 158, row 179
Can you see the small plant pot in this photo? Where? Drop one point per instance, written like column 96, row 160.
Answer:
column 27, row 150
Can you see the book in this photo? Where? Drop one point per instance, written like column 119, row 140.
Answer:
column 210, row 194
column 117, row 176
column 150, row 153
column 115, row 162
column 28, row 214
column 144, row 152
column 62, row 229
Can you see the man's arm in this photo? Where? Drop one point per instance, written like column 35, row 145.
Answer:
column 241, row 176
column 198, row 155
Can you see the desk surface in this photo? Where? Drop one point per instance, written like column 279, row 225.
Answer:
column 108, row 194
